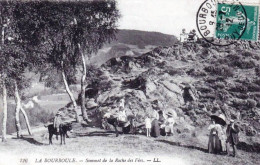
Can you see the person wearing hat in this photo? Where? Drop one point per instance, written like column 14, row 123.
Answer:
column 57, row 121
column 215, row 138
column 217, row 129
column 169, row 124
column 155, row 129
column 232, row 137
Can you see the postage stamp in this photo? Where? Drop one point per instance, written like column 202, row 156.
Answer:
column 236, row 21
column 224, row 22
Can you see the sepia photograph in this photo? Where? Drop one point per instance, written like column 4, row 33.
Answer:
column 122, row 82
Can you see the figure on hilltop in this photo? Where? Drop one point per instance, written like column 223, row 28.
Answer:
column 192, row 36
column 183, row 36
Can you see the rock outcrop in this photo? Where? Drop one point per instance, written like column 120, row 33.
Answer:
column 194, row 80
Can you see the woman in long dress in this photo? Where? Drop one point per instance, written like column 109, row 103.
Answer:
column 214, row 145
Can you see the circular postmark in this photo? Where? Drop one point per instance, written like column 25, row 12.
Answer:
column 221, row 24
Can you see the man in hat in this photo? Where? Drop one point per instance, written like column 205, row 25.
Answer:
column 232, row 137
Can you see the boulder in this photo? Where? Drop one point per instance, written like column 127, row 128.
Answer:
column 91, row 104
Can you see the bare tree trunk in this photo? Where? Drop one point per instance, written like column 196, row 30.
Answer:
column 83, row 86
column 70, row 94
column 4, row 112
column 19, row 105
column 17, row 110
column 27, row 121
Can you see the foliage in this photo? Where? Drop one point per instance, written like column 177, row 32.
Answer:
column 64, row 25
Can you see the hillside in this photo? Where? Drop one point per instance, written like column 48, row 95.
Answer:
column 143, row 38
column 132, row 43
column 219, row 80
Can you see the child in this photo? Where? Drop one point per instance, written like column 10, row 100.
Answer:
column 57, row 121
column 148, row 126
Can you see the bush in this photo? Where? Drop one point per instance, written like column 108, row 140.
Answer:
column 257, row 72
column 221, row 70
column 253, row 88
column 243, row 64
column 247, row 54
column 218, row 85
column 204, row 89
column 196, row 73
column 251, row 103
column 239, row 88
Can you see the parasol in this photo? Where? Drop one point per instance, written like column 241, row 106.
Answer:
column 219, row 119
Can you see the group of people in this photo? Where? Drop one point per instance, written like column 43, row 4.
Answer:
column 157, row 124
column 221, row 137
column 221, row 140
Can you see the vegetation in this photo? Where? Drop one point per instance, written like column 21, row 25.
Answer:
column 44, row 36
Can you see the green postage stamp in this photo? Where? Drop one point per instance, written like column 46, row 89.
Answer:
column 237, row 21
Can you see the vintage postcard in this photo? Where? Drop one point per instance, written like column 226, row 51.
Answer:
column 145, row 82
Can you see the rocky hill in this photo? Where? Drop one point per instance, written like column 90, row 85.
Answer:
column 193, row 79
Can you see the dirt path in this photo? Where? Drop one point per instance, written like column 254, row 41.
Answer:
column 92, row 144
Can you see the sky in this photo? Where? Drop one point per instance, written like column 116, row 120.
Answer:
column 165, row 16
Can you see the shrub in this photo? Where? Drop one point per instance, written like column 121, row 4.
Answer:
column 221, row 70
column 251, row 103
column 247, row 54
column 218, row 85
column 196, row 73
column 257, row 72
column 243, row 64
column 204, row 89
column 239, row 88
column 253, row 88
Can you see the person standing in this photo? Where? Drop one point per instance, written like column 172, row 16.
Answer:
column 183, row 36
column 155, row 114
column 232, row 137
column 122, row 113
column 214, row 144
column 155, row 129
column 148, row 126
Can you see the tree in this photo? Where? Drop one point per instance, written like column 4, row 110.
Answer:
column 14, row 63
column 73, row 32
column 92, row 26
column 2, row 73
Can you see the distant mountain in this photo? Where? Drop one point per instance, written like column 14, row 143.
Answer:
column 132, row 43
column 144, row 38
